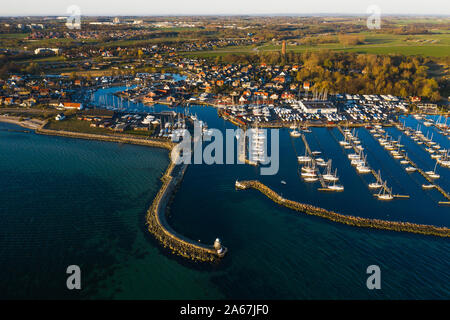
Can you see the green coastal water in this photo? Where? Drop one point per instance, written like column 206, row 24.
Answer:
column 66, row 201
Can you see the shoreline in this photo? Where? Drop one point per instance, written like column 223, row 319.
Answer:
column 32, row 124
column 155, row 218
column 344, row 219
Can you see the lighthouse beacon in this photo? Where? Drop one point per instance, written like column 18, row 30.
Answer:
column 217, row 244
column 219, row 248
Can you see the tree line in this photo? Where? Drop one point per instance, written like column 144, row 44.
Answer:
column 355, row 73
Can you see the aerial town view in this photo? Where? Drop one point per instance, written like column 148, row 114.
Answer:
column 244, row 151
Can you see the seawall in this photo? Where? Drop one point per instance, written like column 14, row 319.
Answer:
column 345, row 219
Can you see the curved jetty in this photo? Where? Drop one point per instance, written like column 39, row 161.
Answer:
column 341, row 218
column 159, row 227
column 156, row 215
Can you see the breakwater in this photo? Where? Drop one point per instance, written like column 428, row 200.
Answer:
column 155, row 143
column 156, row 214
column 159, row 227
column 345, row 219
column 156, row 220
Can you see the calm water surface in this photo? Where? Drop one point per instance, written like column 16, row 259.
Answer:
column 66, row 201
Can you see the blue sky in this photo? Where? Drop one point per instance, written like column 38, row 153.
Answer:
column 188, row 7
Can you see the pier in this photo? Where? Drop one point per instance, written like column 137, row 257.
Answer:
column 159, row 227
column 345, row 219
column 316, row 167
column 426, row 176
column 373, row 172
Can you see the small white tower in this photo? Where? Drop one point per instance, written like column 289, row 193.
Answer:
column 218, row 245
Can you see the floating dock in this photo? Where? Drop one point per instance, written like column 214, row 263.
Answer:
column 426, row 176
column 316, row 167
column 375, row 175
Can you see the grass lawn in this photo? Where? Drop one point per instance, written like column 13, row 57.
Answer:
column 75, row 125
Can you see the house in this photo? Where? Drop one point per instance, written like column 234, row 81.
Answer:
column 428, row 107
column 60, row 117
column 121, row 127
column 274, row 96
column 322, row 107
column 148, row 99
column 28, row 102
column 242, row 99
column 8, row 101
column 45, row 50
column 44, row 92
column 71, row 105
column 287, row 95
column 280, row 79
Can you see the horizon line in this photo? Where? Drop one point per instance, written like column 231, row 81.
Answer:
column 325, row 14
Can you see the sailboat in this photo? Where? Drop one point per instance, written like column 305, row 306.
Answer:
column 328, row 176
column 377, row 184
column 362, row 167
column 444, row 161
column 385, row 193
column 303, row 159
column 336, row 187
column 308, row 172
column 294, row 133
column 433, row 174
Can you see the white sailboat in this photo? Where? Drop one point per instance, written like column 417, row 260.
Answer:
column 328, row 176
column 385, row 193
column 433, row 174
column 304, row 159
column 294, row 133
column 336, row 187
column 377, row 184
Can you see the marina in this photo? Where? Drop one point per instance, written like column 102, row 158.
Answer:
column 212, row 156
column 178, row 222
column 359, row 160
column 430, row 176
column 310, row 172
column 315, row 172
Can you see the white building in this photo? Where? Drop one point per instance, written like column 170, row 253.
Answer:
column 317, row 106
column 43, row 50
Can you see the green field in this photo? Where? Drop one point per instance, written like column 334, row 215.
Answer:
column 13, row 35
column 74, row 125
column 435, row 45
